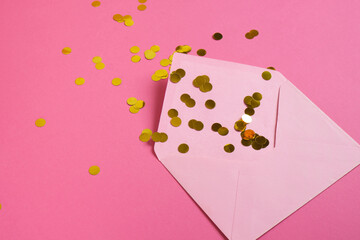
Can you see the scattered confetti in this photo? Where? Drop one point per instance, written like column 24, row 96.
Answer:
column 141, row 7
column 223, row 131
column 229, row 148
column 215, row 127
column 134, row 49
column 132, row 109
column 97, row 59
column 118, row 18
column 66, row 50
column 79, row 81
column 135, row 58
column 257, row 96
column 210, row 104
column 165, row 62
column 135, row 104
column 189, row 102
column 266, row 75
column 217, row 36
column 173, row 113
column 248, row 134
column 183, row 49
column 183, row 148
column 253, row 33
column 203, row 83
column 249, row 111
column 129, row 22
column 149, row 54
column 40, row 122
column 177, row 75
column 155, row 48
column 147, row 134
column 100, row 66
column 181, row 72
column 201, row 52
column 271, row 68
column 116, row 81
column 145, row 137
column 160, row 74
column 95, row 3
column 131, row 101
column 94, row 170
column 196, row 125
column 175, row 121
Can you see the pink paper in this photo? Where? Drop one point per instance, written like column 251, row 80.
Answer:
column 248, row 192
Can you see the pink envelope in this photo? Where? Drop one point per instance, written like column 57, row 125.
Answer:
column 247, row 192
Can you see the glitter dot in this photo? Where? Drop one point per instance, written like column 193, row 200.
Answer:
column 116, row 81
column 95, row 3
column 94, row 170
column 99, row 66
column 79, row 81
column 40, row 122
column 66, row 50
column 141, row 7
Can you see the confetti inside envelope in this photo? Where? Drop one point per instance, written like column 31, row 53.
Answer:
column 244, row 190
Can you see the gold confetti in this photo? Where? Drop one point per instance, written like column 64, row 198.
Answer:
column 173, row 113
column 206, row 87
column 251, row 34
column 191, row 123
column 95, row 3
column 147, row 130
column 266, row 143
column 129, row 22
column 116, row 81
column 149, row 54
column 132, row 109
column 155, row 48
column 246, row 143
column 210, row 104
column 131, row 101
column 257, row 96
column 223, row 131
column 249, row 111
column 174, row 77
column 260, row 140
column 79, row 81
column 118, row 18
column 248, row 100
column 240, row 125
column 145, row 137
column 97, row 59
column 198, row 125
column 190, row 103
column 142, row 1
column 266, row 75
column 229, row 148
column 185, row 97
column 255, row 104
column 139, row 104
column 163, row 137
column 40, row 122
column 127, row 17
column 248, row 134
column 94, row 170
column 271, row 68
column 215, row 127
column 161, row 73
column 217, row 36
column 155, row 77
column 201, row 52
column 135, row 58
column 165, row 62
column 99, row 66
column 255, row 145
column 181, row 72
column 183, row 49
column 66, row 50
column 156, row 137
column 141, row 7
column 175, row 121
column 183, row 148
column 134, row 49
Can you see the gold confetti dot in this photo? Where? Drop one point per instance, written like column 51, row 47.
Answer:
column 249, row 111
column 141, row 7
column 132, row 109
column 257, row 96
column 183, row 148
column 255, row 145
column 190, row 103
column 255, row 103
column 266, row 143
column 191, row 123
column 198, row 125
column 206, row 87
column 223, row 131
column 40, row 122
column 156, row 137
column 248, row 134
column 145, row 137
column 155, row 48
column 266, row 75
column 118, row 18
column 139, row 104
column 180, row 72
column 217, row 36
column 135, row 58
column 147, row 130
column 183, row 49
column 174, row 77
column 95, row 3
column 155, row 77
column 100, row 66
column 163, row 137
column 175, row 121
column 134, row 49
column 173, row 113
column 248, row 100
column 229, row 148
column 165, row 62
column 161, row 73
column 271, row 68
column 149, row 54
column 129, row 22
column 249, row 35
column 215, row 127
column 184, row 97
column 210, row 104
column 201, row 52
column 240, row 125
column 131, row 101
column 254, row 32
column 97, row 59
column 126, row 17
column 66, row 50
column 94, row 170
column 79, row 81
column 260, row 140
column 116, row 81
column 246, row 143
column 142, row 1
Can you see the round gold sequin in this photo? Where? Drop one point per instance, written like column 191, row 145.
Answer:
column 180, row 72
column 131, row 101
column 192, row 123
column 99, row 66
column 147, row 130
column 135, row 58
column 165, row 62
column 190, row 103
column 260, row 140
column 156, row 137
column 149, row 54
column 206, row 87
column 217, row 36
column 248, row 100
column 142, row 1
column 229, row 148
column 161, row 73
column 223, row 131
column 144, row 137
column 246, row 143
column 97, row 59
column 201, row 52
column 173, row 113
column 126, row 17
column 248, row 134
column 257, row 96
column 155, row 48
column 141, row 7
column 240, row 125
column 116, row 81
column 184, row 97
column 155, row 77
column 40, row 122
column 139, row 104
column 255, row 145
column 66, row 50
column 163, row 137
column 266, row 143
column 79, row 81
column 254, row 32
column 134, row 49
column 271, row 68
column 95, row 3
column 198, row 125
column 174, row 77
column 118, row 18
column 210, row 104
column 255, row 104
column 129, row 22
column 175, row 121
column 183, row 148
column 94, row 170
column 215, row 127
column 183, row 49
column 132, row 109
column 266, row 75
column 249, row 111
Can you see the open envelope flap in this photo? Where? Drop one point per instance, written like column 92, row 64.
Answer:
column 311, row 153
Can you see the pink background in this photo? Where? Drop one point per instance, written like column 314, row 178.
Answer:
column 45, row 189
